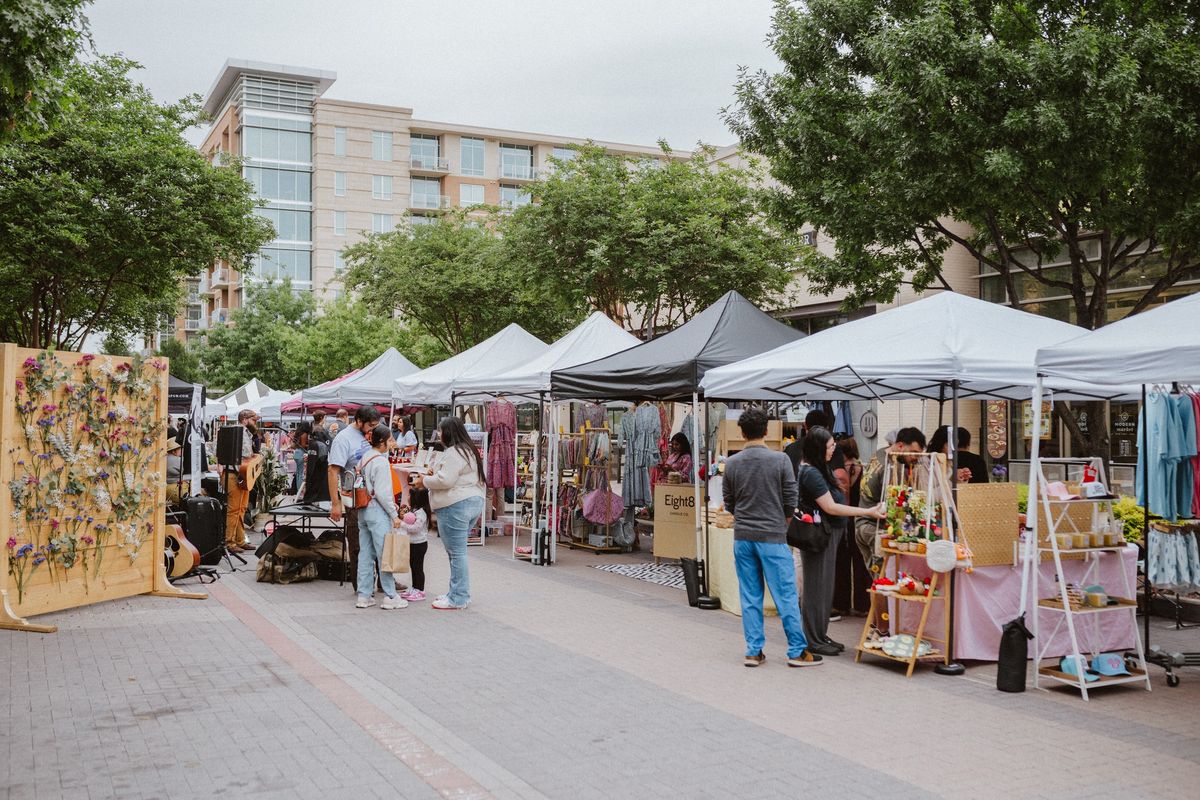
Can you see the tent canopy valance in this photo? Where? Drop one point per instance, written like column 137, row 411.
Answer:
column 595, row 337
column 915, row 351
column 370, row 385
column 669, row 367
column 506, row 350
column 248, row 392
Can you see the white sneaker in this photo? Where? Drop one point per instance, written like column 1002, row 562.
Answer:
column 393, row 602
column 365, row 602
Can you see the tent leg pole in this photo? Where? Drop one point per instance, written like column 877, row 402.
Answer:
column 952, row 667
column 1144, row 459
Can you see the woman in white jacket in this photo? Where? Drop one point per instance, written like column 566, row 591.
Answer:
column 456, row 490
column 376, row 520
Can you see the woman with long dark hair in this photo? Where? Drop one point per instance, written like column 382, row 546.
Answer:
column 819, row 490
column 456, row 491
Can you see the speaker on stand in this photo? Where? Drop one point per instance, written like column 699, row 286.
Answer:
column 229, row 457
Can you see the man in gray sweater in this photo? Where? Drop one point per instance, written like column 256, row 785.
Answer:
column 760, row 491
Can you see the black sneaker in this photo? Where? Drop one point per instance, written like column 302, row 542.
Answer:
column 805, row 659
column 832, row 643
column 754, row 661
column 823, row 649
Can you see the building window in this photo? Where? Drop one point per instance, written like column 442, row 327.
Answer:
column 565, row 153
column 425, row 152
column 381, row 187
column 425, row 192
column 339, row 223
column 381, row 145
column 269, row 144
column 381, row 223
column 513, row 196
column 516, row 161
column 339, row 141
column 290, row 226
column 420, row 219
column 284, row 185
column 275, row 264
column 339, row 262
column 339, row 184
column 471, row 155
column 470, row 194
column 809, row 238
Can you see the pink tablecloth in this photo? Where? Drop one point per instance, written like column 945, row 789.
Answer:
column 989, row 597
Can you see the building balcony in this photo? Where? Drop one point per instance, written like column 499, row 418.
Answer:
column 220, row 277
column 203, row 286
column 431, row 165
column 429, row 202
column 518, row 172
column 190, row 324
column 219, row 317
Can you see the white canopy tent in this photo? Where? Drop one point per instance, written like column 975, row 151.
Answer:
column 214, row 409
column 371, row 385
column 595, row 337
column 251, row 390
column 916, row 351
column 505, row 350
column 267, row 407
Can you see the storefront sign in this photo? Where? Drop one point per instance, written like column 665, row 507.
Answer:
column 868, row 423
column 1027, row 419
column 997, row 428
column 1124, row 431
column 674, row 520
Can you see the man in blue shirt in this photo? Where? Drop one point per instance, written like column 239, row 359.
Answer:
column 348, row 447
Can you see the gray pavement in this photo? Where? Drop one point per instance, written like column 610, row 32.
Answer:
column 560, row 682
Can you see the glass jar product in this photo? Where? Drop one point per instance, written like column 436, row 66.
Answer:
column 1064, row 541
column 1081, row 540
column 1097, row 538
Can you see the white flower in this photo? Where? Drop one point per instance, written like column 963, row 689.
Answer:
column 30, row 432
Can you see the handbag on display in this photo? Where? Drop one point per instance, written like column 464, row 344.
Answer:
column 603, row 506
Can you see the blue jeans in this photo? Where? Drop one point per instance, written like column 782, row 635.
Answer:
column 756, row 561
column 373, row 524
column 454, row 523
column 298, row 478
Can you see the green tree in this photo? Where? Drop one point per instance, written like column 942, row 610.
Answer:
column 647, row 240
column 1040, row 125
column 450, row 280
column 348, row 335
column 115, row 344
column 262, row 342
column 185, row 363
column 104, row 213
column 38, row 39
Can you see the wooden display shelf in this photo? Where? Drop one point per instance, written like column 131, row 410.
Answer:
column 1135, row 676
column 914, row 598
column 1076, row 550
column 1055, row 604
column 595, row 548
column 1081, row 501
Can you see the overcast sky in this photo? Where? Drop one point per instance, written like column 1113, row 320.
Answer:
column 628, row 71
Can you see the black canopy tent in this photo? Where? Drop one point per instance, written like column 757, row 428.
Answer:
column 179, row 396
column 670, row 367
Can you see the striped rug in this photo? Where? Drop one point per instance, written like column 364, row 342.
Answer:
column 662, row 574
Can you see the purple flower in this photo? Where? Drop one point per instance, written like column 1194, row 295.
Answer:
column 49, row 408
column 31, row 365
column 39, row 560
column 24, row 550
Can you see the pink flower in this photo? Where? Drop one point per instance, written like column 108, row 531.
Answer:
column 54, row 523
column 122, row 368
column 49, row 408
column 12, row 542
column 20, row 385
column 31, row 365
column 88, row 358
column 87, row 540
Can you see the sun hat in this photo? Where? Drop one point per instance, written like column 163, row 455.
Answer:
column 1110, row 664
column 173, row 445
column 1070, row 665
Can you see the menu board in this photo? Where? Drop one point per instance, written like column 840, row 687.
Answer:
column 997, row 428
column 1027, row 419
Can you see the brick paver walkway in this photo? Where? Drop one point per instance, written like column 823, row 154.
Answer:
column 561, row 682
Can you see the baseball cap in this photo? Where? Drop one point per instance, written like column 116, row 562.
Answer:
column 1110, row 664
column 1070, row 666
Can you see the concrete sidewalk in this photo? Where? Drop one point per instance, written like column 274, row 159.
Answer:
column 562, row 682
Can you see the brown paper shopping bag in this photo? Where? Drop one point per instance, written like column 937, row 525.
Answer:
column 395, row 553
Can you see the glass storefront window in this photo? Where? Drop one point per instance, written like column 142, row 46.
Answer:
column 286, row 185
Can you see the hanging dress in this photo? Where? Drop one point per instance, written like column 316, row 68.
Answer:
column 502, row 443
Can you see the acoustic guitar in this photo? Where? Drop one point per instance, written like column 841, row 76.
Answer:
column 180, row 555
column 250, row 471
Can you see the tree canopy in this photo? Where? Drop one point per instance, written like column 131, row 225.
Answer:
column 103, row 213
column 647, row 240
column 452, row 280
column 38, row 39
column 1055, row 131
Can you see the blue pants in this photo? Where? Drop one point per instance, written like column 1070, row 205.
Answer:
column 756, row 561
column 373, row 525
column 454, row 523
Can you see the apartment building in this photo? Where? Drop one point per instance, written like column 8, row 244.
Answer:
column 331, row 171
